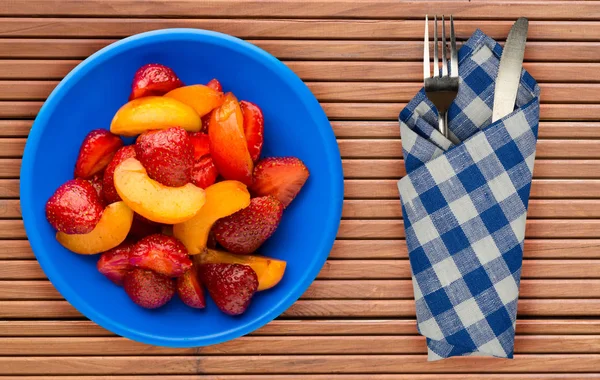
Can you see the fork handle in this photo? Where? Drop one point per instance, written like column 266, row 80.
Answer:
column 443, row 124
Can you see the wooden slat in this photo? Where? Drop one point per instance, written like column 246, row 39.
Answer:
column 364, row 269
column 303, row 49
column 328, row 309
column 288, row 28
column 344, row 289
column 326, row 71
column 384, row 9
column 114, row 346
column 552, row 363
column 519, row 376
column 305, row 328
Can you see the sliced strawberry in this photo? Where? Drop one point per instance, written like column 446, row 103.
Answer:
column 247, row 229
column 205, row 172
column 161, row 254
column 167, row 155
column 231, row 286
column 254, row 125
column 282, row 177
column 190, row 289
column 75, row 207
column 201, row 144
column 108, row 181
column 153, row 79
column 142, row 227
column 215, row 85
column 148, row 289
column 96, row 151
column 114, row 264
column 96, row 181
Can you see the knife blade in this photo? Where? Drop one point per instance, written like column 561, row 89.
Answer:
column 509, row 72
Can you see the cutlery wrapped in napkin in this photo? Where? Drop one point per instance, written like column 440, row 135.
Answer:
column 464, row 203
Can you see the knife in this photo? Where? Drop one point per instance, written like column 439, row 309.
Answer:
column 509, row 72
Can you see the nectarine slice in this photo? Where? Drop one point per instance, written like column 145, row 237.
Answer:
column 201, row 98
column 154, row 112
column 111, row 230
column 222, row 199
column 153, row 200
column 269, row 271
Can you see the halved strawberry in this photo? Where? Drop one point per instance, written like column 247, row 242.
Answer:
column 254, row 123
column 96, row 181
column 161, row 254
column 114, row 264
column 204, row 172
column 215, row 85
column 75, row 207
column 201, row 144
column 153, row 79
column 148, row 289
column 246, row 230
column 167, row 155
column 96, row 151
column 231, row 286
column 282, row 177
column 108, row 181
column 190, row 289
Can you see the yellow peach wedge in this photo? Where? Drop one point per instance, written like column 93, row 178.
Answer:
column 153, row 200
column 201, row 98
column 269, row 271
column 111, row 230
column 154, row 112
column 222, row 199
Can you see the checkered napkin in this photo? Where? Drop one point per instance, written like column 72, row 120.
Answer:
column 464, row 203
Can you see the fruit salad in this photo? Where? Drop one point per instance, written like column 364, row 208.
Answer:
column 188, row 205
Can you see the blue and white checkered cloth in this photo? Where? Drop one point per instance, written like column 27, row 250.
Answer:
column 464, row 204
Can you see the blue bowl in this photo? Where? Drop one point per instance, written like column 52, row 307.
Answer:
column 295, row 125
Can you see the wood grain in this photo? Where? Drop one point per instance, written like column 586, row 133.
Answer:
column 536, row 376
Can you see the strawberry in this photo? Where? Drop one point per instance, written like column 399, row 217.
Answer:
column 204, row 172
column 282, row 177
column 75, row 207
column 246, row 230
column 153, row 79
column 231, row 286
column 206, row 122
column 254, row 124
column 96, row 151
column 114, row 264
column 190, row 289
column 108, row 181
column 142, row 227
column 96, row 181
column 215, row 85
column 201, row 144
column 148, row 289
column 167, row 155
column 162, row 254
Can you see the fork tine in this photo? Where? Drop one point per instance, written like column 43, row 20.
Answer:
column 426, row 72
column 444, row 61
column 436, row 64
column 453, row 52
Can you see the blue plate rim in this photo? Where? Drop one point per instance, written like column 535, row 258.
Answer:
column 316, row 112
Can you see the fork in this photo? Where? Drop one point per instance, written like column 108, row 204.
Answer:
column 441, row 87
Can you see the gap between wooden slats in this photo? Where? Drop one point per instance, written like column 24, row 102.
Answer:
column 568, row 249
column 351, row 345
column 366, row 269
column 299, row 364
column 11, row 48
column 345, row 289
column 337, row 91
column 326, row 71
column 379, row 9
column 289, row 28
column 313, row 327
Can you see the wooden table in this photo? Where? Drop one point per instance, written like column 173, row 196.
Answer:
column 362, row 60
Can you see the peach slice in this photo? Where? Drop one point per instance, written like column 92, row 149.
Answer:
column 154, row 112
column 111, row 230
column 269, row 271
column 222, row 199
column 202, row 99
column 153, row 200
